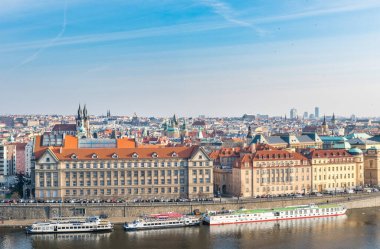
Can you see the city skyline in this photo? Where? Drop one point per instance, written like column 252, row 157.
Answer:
column 203, row 57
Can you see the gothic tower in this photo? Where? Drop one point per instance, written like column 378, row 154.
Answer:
column 83, row 123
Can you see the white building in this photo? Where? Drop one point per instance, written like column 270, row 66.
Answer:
column 28, row 158
column 3, row 160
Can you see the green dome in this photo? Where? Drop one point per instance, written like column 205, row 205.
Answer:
column 355, row 151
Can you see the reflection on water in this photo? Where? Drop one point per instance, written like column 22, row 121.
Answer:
column 359, row 229
column 297, row 224
column 70, row 236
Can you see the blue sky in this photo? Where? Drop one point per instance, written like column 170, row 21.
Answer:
column 190, row 57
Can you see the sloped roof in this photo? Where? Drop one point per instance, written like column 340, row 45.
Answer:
column 68, row 150
column 65, row 127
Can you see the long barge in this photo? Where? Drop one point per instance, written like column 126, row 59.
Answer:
column 276, row 214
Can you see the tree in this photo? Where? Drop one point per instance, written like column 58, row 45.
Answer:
column 18, row 188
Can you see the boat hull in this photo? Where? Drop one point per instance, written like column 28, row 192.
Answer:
column 70, row 225
column 268, row 220
column 126, row 228
column 103, row 230
column 260, row 215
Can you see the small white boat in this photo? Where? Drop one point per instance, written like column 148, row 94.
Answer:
column 276, row 214
column 159, row 221
column 71, row 225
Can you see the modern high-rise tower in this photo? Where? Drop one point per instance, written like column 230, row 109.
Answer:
column 293, row 113
column 316, row 112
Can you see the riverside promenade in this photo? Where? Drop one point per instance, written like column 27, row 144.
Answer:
column 21, row 215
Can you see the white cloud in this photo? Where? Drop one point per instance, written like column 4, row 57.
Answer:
column 51, row 42
column 224, row 10
column 330, row 9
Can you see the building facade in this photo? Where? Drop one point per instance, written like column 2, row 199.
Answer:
column 372, row 167
column 336, row 170
column 271, row 172
column 224, row 160
column 3, row 160
column 116, row 169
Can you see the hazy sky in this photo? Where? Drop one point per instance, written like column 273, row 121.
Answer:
column 190, row 57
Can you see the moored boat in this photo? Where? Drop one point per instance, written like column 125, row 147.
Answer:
column 71, row 225
column 276, row 214
column 160, row 221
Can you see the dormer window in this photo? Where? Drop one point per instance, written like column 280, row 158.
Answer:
column 47, row 159
column 73, row 156
column 115, row 156
column 135, row 155
column 94, row 156
column 200, row 156
column 154, row 155
column 174, row 154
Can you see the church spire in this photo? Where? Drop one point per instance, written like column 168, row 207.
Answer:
column 324, row 120
column 84, row 112
column 249, row 134
column 79, row 112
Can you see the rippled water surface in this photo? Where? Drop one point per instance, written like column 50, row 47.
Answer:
column 359, row 229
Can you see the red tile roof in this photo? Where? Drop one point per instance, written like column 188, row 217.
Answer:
column 65, row 127
column 329, row 154
column 123, row 152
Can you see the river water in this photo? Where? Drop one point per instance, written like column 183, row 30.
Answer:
column 360, row 228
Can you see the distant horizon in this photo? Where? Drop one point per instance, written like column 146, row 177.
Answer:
column 217, row 57
column 185, row 116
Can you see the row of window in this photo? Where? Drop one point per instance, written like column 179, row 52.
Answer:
column 115, row 165
column 337, row 185
column 279, row 188
column 122, row 182
column 162, row 190
column 281, row 179
column 281, row 171
column 334, row 160
column 337, row 168
column 335, row 177
column 280, row 163
column 117, row 174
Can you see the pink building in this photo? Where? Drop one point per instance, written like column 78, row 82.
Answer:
column 20, row 158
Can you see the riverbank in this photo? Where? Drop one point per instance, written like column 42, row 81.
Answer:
column 24, row 215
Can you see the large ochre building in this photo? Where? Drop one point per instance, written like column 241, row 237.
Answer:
column 85, row 168
column 271, row 172
column 336, row 169
column 263, row 170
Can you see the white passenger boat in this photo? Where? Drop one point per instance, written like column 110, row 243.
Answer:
column 262, row 215
column 159, row 221
column 71, row 225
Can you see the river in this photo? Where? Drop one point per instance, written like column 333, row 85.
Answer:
column 360, row 228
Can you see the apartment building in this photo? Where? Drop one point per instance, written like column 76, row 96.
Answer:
column 336, row 170
column 271, row 172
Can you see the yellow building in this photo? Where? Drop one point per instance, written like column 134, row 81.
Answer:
column 372, row 167
column 336, row 170
column 271, row 172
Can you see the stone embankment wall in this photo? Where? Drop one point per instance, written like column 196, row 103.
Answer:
column 129, row 211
